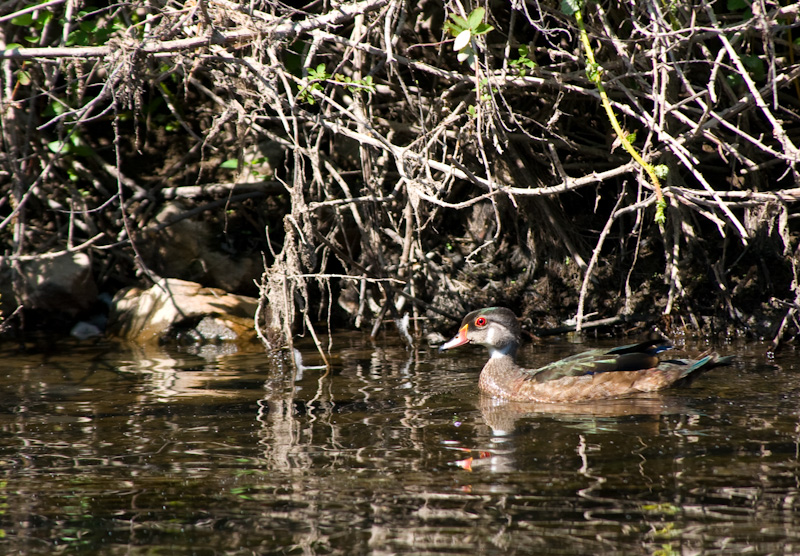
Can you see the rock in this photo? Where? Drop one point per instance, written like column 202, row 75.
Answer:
column 177, row 310
column 62, row 284
column 85, row 330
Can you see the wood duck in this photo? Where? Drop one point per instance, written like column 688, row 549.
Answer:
column 592, row 375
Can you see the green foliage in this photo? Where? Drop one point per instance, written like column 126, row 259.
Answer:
column 71, row 146
column 483, row 92
column 34, row 22
column 315, row 76
column 594, row 72
column 464, row 30
column 233, row 164
column 319, row 75
column 755, row 67
column 90, row 32
column 741, row 7
column 570, row 7
column 91, row 26
column 661, row 216
column 23, row 77
column 666, row 550
column 523, row 63
column 474, row 23
column 88, row 27
column 355, row 84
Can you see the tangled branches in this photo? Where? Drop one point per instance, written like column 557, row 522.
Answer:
column 433, row 156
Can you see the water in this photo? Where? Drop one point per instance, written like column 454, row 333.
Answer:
column 113, row 450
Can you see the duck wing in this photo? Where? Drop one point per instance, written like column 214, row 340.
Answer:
column 634, row 357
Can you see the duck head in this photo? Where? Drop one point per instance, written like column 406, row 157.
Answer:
column 495, row 328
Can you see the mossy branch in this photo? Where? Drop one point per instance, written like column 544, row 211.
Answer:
column 595, row 72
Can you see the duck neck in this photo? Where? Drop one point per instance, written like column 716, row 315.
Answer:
column 501, row 375
column 507, row 350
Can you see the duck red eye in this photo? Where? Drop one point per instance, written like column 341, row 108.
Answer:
column 480, row 321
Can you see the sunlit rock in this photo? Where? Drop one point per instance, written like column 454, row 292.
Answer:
column 177, row 310
column 62, row 284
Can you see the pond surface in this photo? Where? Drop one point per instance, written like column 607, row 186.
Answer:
column 110, row 450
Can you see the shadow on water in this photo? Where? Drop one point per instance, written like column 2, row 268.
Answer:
column 109, row 450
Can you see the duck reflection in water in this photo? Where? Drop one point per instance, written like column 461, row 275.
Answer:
column 502, row 415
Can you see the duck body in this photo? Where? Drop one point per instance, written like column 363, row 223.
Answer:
column 592, row 375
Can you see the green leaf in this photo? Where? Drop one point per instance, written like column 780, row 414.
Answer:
column 452, row 28
column 467, row 55
column 23, row 77
column 755, row 65
column 57, row 146
column 482, row 29
column 23, row 20
column 476, row 18
column 569, row 7
column 318, row 73
column 734, row 80
column 367, row 81
column 82, row 150
column 460, row 22
column 231, row 163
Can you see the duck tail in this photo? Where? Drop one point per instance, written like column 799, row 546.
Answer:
column 696, row 368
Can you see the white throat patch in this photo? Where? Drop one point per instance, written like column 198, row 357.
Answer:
column 491, row 335
column 497, row 353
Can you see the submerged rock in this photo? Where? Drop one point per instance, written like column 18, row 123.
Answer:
column 177, row 310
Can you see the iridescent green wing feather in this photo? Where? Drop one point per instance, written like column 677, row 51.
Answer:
column 634, row 357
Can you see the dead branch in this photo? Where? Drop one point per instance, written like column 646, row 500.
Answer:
column 408, row 175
